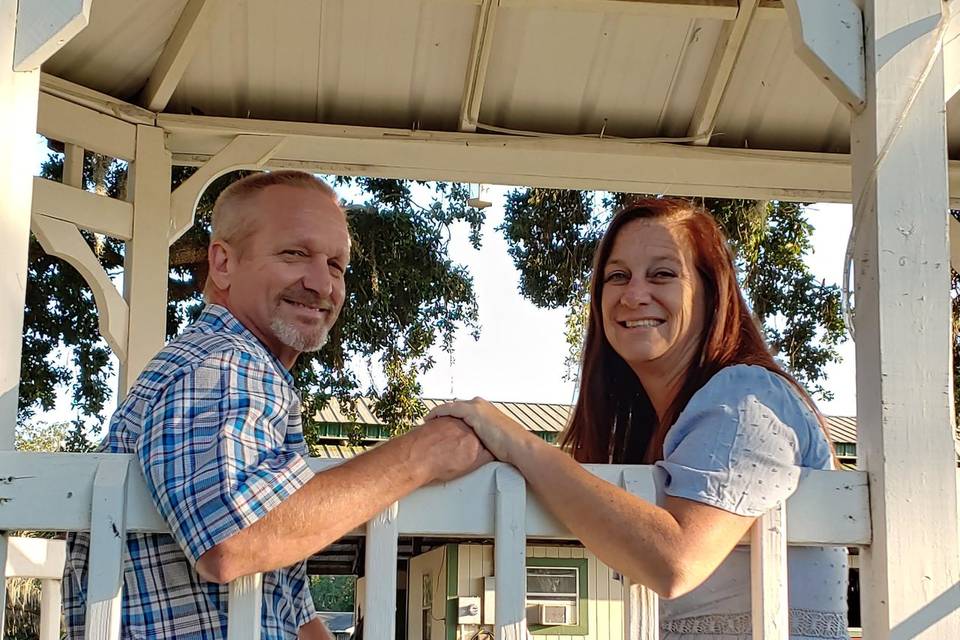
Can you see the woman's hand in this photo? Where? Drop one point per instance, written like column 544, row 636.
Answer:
column 500, row 434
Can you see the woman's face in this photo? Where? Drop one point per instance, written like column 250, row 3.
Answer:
column 652, row 299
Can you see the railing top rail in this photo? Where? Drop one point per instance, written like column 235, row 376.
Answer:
column 52, row 492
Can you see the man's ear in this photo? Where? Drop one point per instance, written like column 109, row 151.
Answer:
column 221, row 258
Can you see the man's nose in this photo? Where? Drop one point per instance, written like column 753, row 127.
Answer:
column 318, row 278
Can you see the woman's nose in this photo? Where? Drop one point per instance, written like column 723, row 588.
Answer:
column 635, row 294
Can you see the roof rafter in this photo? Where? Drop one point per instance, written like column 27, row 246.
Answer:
column 477, row 66
column 194, row 22
column 730, row 43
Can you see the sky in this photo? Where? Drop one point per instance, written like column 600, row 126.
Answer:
column 521, row 351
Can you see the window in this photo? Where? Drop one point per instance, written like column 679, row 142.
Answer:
column 557, row 590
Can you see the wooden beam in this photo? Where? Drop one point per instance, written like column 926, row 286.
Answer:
column 87, row 210
column 828, row 37
column 44, row 26
column 35, row 558
column 145, row 265
column 732, row 36
column 908, row 575
column 477, row 65
column 108, row 543
column 829, row 507
column 192, row 27
column 18, row 121
column 100, row 102
column 555, row 162
column 690, row 9
column 59, row 119
column 63, row 240
column 951, row 50
column 243, row 152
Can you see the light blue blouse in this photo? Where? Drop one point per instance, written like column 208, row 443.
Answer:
column 742, row 444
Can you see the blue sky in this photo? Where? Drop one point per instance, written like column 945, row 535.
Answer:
column 521, row 350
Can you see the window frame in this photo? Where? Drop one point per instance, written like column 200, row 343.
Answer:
column 583, row 608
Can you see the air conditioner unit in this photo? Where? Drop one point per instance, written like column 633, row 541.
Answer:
column 552, row 614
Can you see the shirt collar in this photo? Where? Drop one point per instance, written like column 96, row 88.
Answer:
column 218, row 318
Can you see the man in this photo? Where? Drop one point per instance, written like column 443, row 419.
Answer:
column 215, row 422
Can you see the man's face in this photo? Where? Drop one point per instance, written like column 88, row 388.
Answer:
column 285, row 277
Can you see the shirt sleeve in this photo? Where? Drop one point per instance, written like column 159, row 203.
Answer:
column 213, row 450
column 731, row 448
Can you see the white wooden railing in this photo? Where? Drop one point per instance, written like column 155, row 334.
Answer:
column 106, row 495
column 43, row 560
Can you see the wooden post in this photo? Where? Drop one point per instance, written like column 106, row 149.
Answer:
column 18, row 122
column 50, row 606
column 510, row 552
column 244, row 608
column 380, row 602
column 108, row 546
column 768, row 575
column 4, row 546
column 643, row 605
column 147, row 254
column 910, row 571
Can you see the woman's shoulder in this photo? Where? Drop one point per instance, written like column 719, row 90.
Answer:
column 756, row 394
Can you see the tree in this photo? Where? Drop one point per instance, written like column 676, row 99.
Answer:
column 333, row 593
column 552, row 235
column 405, row 294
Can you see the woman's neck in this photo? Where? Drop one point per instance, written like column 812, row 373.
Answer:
column 661, row 386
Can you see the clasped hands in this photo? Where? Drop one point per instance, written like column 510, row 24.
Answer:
column 502, row 436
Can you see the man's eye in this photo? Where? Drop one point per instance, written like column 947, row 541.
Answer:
column 294, row 252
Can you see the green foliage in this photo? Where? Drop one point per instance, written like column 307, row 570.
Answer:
column 333, row 593
column 404, row 295
column 552, row 234
column 41, row 437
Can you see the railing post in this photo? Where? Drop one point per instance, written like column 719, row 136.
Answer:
column 50, row 606
column 768, row 575
column 243, row 608
column 108, row 545
column 380, row 605
column 510, row 554
column 643, row 604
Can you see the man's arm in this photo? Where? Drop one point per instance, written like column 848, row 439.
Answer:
column 338, row 500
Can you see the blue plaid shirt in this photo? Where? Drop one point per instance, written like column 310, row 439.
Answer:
column 214, row 420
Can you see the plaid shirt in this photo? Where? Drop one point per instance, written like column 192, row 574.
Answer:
column 215, row 422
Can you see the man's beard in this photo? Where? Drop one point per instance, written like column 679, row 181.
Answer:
column 296, row 339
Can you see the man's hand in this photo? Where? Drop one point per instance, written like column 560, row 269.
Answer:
column 448, row 449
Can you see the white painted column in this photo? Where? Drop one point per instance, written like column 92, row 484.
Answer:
column 4, row 547
column 380, row 567
column 50, row 605
column 510, row 553
column 147, row 254
column 244, row 608
column 18, row 122
column 768, row 575
column 642, row 611
column 910, row 571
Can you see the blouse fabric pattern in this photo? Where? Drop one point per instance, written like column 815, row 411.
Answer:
column 742, row 444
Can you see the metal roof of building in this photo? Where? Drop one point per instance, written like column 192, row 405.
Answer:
column 534, row 416
column 607, row 67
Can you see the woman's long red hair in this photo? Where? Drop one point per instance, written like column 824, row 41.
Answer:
column 613, row 420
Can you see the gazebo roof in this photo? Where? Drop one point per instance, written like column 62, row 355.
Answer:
column 621, row 68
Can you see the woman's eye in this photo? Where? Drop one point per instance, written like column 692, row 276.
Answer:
column 616, row 276
column 664, row 274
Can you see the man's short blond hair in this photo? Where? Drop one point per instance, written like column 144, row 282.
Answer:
column 231, row 224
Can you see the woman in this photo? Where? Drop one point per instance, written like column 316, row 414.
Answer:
column 676, row 373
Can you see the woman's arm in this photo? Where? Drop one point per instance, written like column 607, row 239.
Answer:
column 670, row 549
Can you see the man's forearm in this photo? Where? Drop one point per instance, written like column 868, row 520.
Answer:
column 328, row 506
